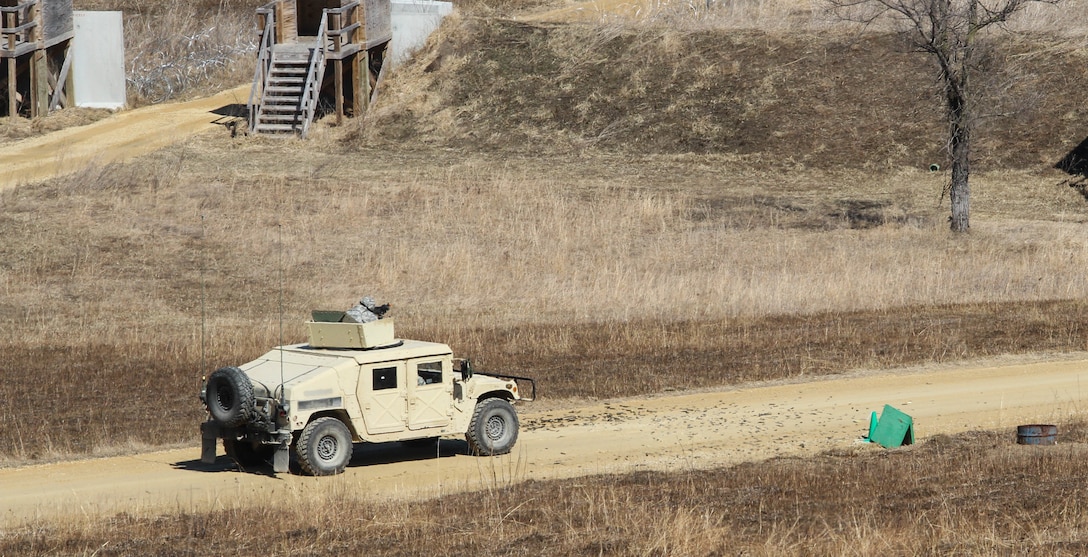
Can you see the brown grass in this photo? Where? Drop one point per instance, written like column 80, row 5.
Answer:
column 826, row 99
column 180, row 50
column 576, row 201
column 975, row 493
column 15, row 129
column 579, row 274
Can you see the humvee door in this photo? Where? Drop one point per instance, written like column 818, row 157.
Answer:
column 382, row 395
column 430, row 388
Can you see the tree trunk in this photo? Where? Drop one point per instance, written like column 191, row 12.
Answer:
column 960, row 123
column 959, row 193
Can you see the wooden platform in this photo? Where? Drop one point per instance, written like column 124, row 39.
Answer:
column 347, row 39
column 35, row 37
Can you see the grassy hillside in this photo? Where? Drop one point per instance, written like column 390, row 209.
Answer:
column 831, row 99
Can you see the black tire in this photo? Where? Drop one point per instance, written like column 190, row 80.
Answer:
column 494, row 427
column 248, row 454
column 229, row 396
column 324, row 447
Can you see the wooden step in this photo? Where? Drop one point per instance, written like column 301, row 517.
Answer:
column 278, row 114
column 294, row 117
column 298, row 74
column 278, row 127
column 291, row 55
column 276, row 89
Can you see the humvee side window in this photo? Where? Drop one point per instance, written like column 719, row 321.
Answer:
column 385, row 378
column 429, row 373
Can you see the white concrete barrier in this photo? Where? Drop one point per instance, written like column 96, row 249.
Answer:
column 98, row 60
column 413, row 21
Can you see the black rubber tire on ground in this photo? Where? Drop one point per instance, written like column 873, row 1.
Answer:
column 494, row 427
column 247, row 454
column 229, row 395
column 324, row 447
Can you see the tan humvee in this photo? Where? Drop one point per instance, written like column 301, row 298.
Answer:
column 352, row 383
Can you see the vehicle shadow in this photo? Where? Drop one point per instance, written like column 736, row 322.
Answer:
column 233, row 117
column 363, row 454
column 1075, row 164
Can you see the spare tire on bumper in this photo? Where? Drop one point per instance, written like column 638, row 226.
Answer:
column 229, row 397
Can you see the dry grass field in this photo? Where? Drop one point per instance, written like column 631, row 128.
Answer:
column 696, row 200
column 969, row 494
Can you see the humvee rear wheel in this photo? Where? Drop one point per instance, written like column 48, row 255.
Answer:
column 229, row 396
column 324, row 447
column 494, row 427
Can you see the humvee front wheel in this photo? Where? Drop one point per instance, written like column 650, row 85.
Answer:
column 494, row 427
column 324, row 447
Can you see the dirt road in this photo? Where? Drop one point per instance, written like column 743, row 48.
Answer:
column 118, row 138
column 683, row 431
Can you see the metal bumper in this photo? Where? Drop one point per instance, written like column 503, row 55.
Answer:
column 519, row 381
column 211, row 431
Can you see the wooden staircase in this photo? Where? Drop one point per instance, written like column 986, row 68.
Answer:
column 288, row 81
column 298, row 38
column 288, row 101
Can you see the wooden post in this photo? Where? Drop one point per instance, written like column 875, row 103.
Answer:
column 9, row 22
column 364, row 79
column 338, row 66
column 358, row 98
column 338, row 79
column 335, row 25
column 13, row 107
column 62, row 78
column 286, row 22
column 35, row 14
column 381, row 72
column 39, row 84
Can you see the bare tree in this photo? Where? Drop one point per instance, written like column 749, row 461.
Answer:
column 948, row 30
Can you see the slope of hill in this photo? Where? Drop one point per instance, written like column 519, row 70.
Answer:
column 822, row 100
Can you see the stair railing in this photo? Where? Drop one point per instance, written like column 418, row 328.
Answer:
column 342, row 26
column 264, row 60
column 315, row 76
column 17, row 27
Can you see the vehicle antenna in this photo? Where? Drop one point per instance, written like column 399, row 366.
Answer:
column 203, row 316
column 280, row 226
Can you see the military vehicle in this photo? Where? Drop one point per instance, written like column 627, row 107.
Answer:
column 354, row 383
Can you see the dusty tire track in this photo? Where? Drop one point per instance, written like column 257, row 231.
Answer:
column 682, row 431
column 118, row 138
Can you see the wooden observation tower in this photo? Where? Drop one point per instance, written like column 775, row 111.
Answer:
column 315, row 55
column 35, row 41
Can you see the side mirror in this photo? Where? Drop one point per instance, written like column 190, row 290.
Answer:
column 466, row 369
